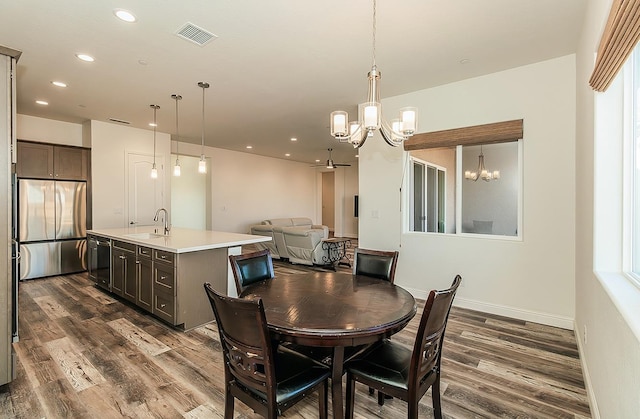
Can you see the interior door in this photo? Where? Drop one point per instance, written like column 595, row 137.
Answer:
column 144, row 194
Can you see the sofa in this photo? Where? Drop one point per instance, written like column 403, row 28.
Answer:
column 274, row 228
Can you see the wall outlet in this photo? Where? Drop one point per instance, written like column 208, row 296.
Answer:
column 584, row 335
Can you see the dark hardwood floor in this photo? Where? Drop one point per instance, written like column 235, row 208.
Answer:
column 83, row 353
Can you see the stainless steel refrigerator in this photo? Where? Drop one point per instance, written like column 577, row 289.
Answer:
column 51, row 227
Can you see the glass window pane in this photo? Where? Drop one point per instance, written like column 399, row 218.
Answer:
column 490, row 203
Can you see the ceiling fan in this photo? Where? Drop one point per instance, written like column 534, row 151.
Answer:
column 330, row 164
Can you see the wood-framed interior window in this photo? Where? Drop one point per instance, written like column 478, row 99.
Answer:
column 452, row 204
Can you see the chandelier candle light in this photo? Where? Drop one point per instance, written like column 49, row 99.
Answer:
column 154, row 170
column 202, row 165
column 370, row 114
column 176, row 168
column 482, row 172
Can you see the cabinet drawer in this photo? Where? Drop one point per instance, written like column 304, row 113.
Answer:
column 164, row 305
column 163, row 278
column 163, row 256
column 124, row 245
column 144, row 251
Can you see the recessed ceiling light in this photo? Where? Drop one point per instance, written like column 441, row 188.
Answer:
column 317, row 160
column 59, row 83
column 294, row 139
column 124, row 15
column 85, row 57
column 465, row 61
column 142, row 62
column 357, row 155
column 288, row 154
column 151, row 124
column 249, row 146
column 42, row 102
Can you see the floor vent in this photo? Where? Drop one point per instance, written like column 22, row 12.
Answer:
column 195, row 34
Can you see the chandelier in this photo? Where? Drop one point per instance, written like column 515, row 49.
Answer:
column 481, row 172
column 370, row 114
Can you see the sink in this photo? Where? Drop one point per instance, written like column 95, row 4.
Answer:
column 144, row 235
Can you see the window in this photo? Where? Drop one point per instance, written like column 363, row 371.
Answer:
column 444, row 198
column 428, row 199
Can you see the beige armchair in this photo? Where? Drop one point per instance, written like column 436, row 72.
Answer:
column 304, row 246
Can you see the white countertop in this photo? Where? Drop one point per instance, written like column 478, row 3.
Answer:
column 179, row 240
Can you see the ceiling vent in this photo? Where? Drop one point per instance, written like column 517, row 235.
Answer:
column 195, row 34
column 119, row 121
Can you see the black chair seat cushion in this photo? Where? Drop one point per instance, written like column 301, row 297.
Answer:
column 388, row 363
column 296, row 374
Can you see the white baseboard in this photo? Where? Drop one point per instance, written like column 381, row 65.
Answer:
column 593, row 405
column 500, row 310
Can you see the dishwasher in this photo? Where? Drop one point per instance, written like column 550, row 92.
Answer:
column 100, row 261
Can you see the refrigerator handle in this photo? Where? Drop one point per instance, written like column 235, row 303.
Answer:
column 58, row 213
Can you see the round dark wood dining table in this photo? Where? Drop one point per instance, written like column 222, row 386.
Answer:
column 333, row 309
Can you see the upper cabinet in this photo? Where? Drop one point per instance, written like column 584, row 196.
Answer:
column 47, row 161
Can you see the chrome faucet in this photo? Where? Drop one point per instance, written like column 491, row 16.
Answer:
column 167, row 226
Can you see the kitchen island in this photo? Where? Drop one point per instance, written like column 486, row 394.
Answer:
column 164, row 274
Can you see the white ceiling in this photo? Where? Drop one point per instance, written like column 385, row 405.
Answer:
column 277, row 69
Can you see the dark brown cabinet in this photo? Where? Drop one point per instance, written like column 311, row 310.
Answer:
column 123, row 256
column 34, row 160
column 164, row 294
column 47, row 161
column 70, row 163
column 144, row 276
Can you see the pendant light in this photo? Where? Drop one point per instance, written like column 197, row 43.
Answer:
column 176, row 168
column 154, row 170
column 202, row 165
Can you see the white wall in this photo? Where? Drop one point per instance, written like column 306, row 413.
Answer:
column 532, row 279
column 44, row 130
column 110, row 144
column 247, row 188
column 189, row 194
column 606, row 304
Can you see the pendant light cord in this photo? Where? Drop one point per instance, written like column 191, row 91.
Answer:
column 374, row 33
column 155, row 124
column 177, row 98
column 202, row 151
column 203, row 85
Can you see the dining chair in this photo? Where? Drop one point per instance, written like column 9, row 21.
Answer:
column 400, row 372
column 267, row 380
column 249, row 268
column 375, row 263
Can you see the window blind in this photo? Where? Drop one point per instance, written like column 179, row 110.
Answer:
column 618, row 40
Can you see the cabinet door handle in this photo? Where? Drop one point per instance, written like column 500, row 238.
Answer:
column 137, row 262
column 162, row 277
column 163, row 305
column 163, row 257
column 122, row 257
